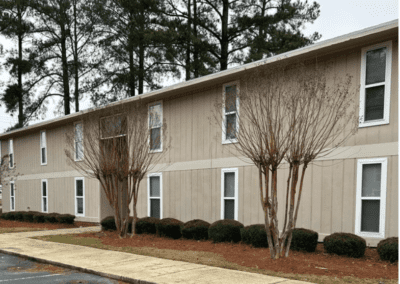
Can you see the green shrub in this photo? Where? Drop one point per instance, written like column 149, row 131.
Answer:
column 38, row 217
column 195, row 229
column 388, row 249
column 304, row 240
column 147, row 225
column 51, row 218
column 254, row 235
column 108, row 224
column 345, row 244
column 28, row 216
column 169, row 227
column 65, row 218
column 225, row 231
column 18, row 216
column 9, row 216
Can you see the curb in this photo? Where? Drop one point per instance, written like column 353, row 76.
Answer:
column 85, row 270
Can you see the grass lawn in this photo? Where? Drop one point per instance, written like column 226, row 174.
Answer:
column 205, row 252
column 19, row 229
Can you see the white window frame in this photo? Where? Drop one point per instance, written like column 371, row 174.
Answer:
column 161, row 120
column 235, row 198
column 83, row 150
column 83, row 197
column 45, row 197
column 41, row 147
column 12, row 201
column 382, row 198
column 387, row 84
column 149, row 197
column 11, row 152
column 224, row 139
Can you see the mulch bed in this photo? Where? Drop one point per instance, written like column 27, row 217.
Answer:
column 316, row 263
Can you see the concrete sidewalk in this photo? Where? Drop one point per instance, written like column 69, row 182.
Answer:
column 124, row 266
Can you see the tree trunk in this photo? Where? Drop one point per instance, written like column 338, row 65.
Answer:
column 65, row 70
column 141, row 67
column 188, row 41
column 131, row 83
column 76, row 95
column 20, row 90
column 224, row 38
column 196, row 41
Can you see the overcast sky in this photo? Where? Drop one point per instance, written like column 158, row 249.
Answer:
column 337, row 18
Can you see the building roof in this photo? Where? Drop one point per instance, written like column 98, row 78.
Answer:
column 317, row 49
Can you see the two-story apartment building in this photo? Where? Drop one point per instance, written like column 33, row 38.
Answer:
column 355, row 189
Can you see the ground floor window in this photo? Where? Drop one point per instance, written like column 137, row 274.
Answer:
column 12, row 196
column 154, row 193
column 229, row 194
column 79, row 196
column 44, row 196
column 371, row 197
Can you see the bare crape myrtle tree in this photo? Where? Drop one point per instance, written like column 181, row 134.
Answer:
column 287, row 116
column 114, row 147
column 7, row 171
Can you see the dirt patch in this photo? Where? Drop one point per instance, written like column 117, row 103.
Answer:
column 8, row 226
column 243, row 257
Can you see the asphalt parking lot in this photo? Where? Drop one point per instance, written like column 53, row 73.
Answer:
column 19, row 270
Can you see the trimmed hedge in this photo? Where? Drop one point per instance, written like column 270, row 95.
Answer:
column 169, row 227
column 65, row 218
column 304, row 240
column 147, row 225
column 18, row 216
column 51, row 218
column 28, row 216
column 345, row 244
column 108, row 224
column 195, row 229
column 388, row 249
column 225, row 231
column 254, row 235
column 39, row 218
column 9, row 216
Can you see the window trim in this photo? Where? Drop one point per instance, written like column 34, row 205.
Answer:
column 47, row 194
column 83, row 197
column 224, row 140
column 223, row 198
column 387, row 84
column 161, row 130
column 12, row 196
column 11, row 152
column 161, row 194
column 45, row 147
column 83, row 150
column 382, row 198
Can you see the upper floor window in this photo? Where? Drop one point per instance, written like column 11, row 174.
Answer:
column 376, row 66
column 371, row 197
column 113, row 126
column 78, row 144
column 43, row 148
column 155, row 126
column 11, row 152
column 230, row 109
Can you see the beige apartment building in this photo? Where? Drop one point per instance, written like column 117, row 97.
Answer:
column 355, row 189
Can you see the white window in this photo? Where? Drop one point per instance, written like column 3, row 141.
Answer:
column 43, row 148
column 12, row 196
column 78, row 144
column 79, row 196
column 11, row 152
column 44, row 196
column 155, row 126
column 376, row 67
column 230, row 110
column 229, row 194
column 154, row 194
column 371, row 197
